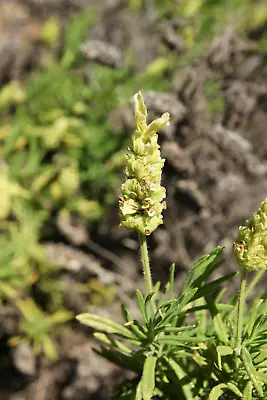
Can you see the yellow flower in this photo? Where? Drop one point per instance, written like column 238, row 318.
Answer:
column 141, row 201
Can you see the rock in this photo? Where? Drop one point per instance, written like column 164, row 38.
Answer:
column 171, row 37
column 24, row 359
column 177, row 158
column 103, row 52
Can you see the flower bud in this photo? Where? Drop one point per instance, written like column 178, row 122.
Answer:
column 250, row 247
column 141, row 201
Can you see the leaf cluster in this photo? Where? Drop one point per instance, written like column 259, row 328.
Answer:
column 36, row 327
column 184, row 347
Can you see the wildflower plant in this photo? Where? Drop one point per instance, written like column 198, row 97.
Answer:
column 191, row 346
column 37, row 328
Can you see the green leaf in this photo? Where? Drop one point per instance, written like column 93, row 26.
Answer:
column 7, row 290
column 180, row 329
column 138, row 394
column 234, row 389
column 42, row 180
column 103, row 324
column 218, row 391
column 219, row 326
column 252, row 316
column 172, row 308
column 210, row 269
column 247, row 360
column 181, row 374
column 199, row 269
column 173, row 342
column 259, row 326
column 148, row 378
column 122, row 360
column 209, row 287
column 171, row 280
column 180, row 339
column 125, row 313
column 49, row 348
column 60, row 317
column 223, row 351
column 137, row 329
column 75, row 35
column 189, row 339
column 110, row 341
column 247, row 394
column 149, row 305
column 141, row 303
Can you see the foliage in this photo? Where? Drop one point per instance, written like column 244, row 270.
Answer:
column 59, row 154
column 193, row 346
column 36, row 327
column 186, row 345
column 200, row 21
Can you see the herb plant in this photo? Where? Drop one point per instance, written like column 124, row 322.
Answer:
column 194, row 345
column 37, row 328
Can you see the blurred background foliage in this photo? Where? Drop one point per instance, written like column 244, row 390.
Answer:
column 59, row 152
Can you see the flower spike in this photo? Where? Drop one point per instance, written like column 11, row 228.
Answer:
column 250, row 247
column 141, row 201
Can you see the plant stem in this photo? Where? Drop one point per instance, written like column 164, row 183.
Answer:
column 145, row 262
column 240, row 312
column 254, row 282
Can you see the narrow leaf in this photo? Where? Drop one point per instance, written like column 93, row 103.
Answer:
column 171, row 280
column 247, row 394
column 148, row 378
column 103, row 324
column 180, row 329
column 219, row 325
column 181, row 374
column 141, row 303
column 149, row 305
column 234, row 389
column 247, row 360
column 252, row 317
column 199, row 268
column 138, row 393
column 209, row 287
column 122, row 360
column 105, row 339
column 223, row 351
column 125, row 313
column 211, row 268
column 218, row 391
column 137, row 329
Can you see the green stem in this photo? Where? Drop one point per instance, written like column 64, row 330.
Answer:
column 145, row 262
column 254, row 282
column 240, row 312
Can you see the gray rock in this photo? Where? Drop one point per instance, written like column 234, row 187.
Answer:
column 24, row 359
column 103, row 52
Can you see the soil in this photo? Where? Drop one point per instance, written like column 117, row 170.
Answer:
column 215, row 175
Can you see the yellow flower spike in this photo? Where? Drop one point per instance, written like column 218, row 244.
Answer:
column 250, row 247
column 143, row 174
